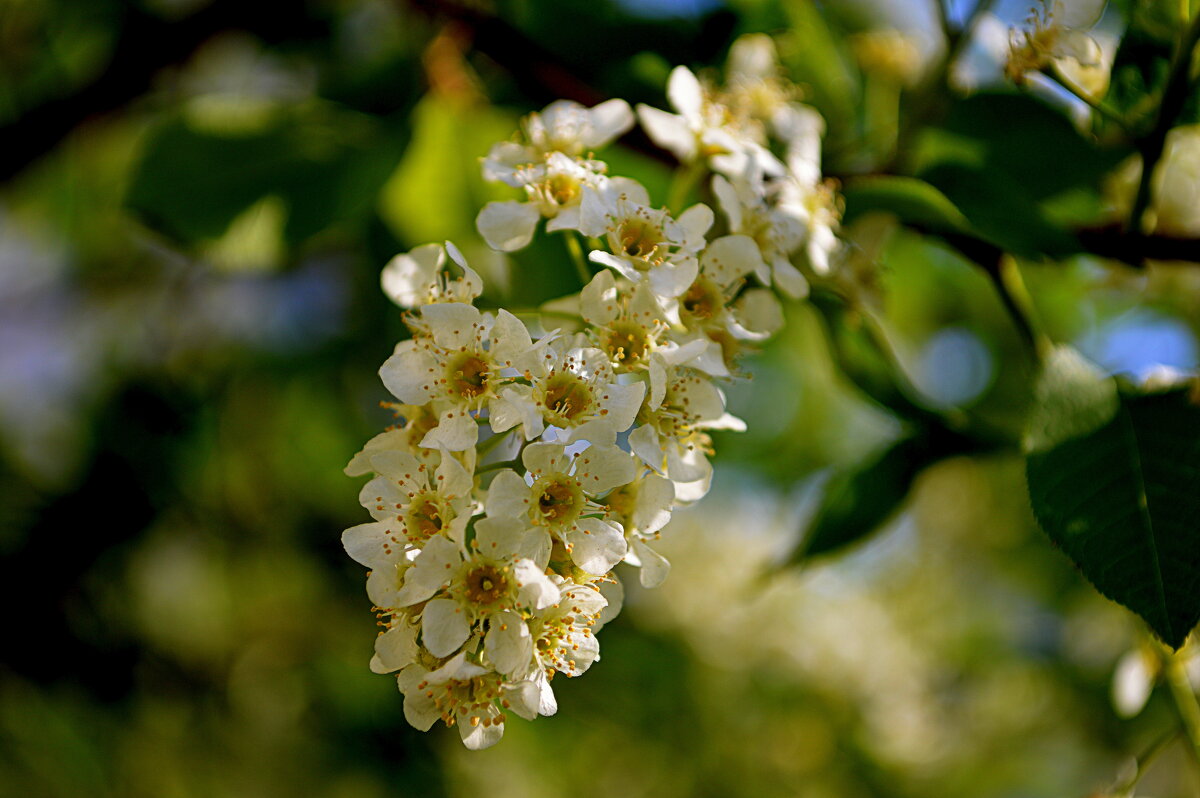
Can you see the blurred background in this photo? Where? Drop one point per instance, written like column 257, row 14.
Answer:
column 198, row 197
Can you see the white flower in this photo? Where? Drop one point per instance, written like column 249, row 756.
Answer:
column 645, row 243
column 625, row 324
column 573, row 389
column 815, row 204
column 562, row 499
column 777, row 232
column 417, row 278
column 1059, row 36
column 643, row 507
column 501, row 576
column 459, row 367
column 568, row 127
column 465, row 694
column 553, row 189
column 565, row 640
column 671, row 438
column 420, row 501
column 704, row 128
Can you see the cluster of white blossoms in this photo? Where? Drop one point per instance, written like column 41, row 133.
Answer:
column 528, row 463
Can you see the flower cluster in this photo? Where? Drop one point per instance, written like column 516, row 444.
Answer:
column 526, row 464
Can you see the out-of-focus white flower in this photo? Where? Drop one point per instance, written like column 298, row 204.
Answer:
column 416, row 278
column 568, row 127
column 467, row 695
column 1058, row 36
column 562, row 499
column 1140, row 668
column 704, row 128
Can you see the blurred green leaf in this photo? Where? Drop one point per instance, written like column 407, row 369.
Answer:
column 1122, row 501
column 913, row 201
column 325, row 165
column 859, row 501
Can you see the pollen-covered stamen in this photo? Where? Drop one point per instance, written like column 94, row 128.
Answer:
column 559, row 501
column 467, row 375
column 471, row 701
column 639, row 238
column 425, row 518
column 703, row 300
column 626, row 342
column 568, row 398
column 486, row 584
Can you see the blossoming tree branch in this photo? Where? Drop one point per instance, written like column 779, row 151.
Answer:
column 535, row 449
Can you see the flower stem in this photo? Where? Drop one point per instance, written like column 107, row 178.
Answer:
column 577, row 257
column 1185, row 701
column 682, row 184
column 1144, row 760
column 498, row 465
column 483, row 448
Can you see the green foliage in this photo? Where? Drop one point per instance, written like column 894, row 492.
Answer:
column 326, row 164
column 1114, row 480
column 861, row 500
column 1001, row 160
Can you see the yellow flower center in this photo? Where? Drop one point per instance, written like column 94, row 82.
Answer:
column 467, row 376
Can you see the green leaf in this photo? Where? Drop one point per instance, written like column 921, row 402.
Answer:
column 913, row 202
column 323, row 163
column 1123, row 502
column 860, row 501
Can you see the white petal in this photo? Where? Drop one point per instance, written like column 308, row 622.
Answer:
column 1132, row 684
column 479, row 737
column 645, row 444
column 508, row 644
column 545, row 458
column 454, row 324
column 510, row 338
column 596, row 545
column 669, row 131
column 656, row 496
column 536, row 589
column 524, row 698
column 614, row 593
column 500, row 537
column 430, row 570
column 407, row 373
column 654, row 566
column 508, row 226
column 672, row 278
column 508, row 496
column 730, row 258
column 598, row 300
column 695, row 222
column 685, row 94
column 624, row 401
column 609, row 119
column 453, row 479
column 444, row 627
column 456, row 431
column 621, row 265
column 407, row 277
column 602, row 468
column 395, row 649
column 368, row 544
column 728, row 199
